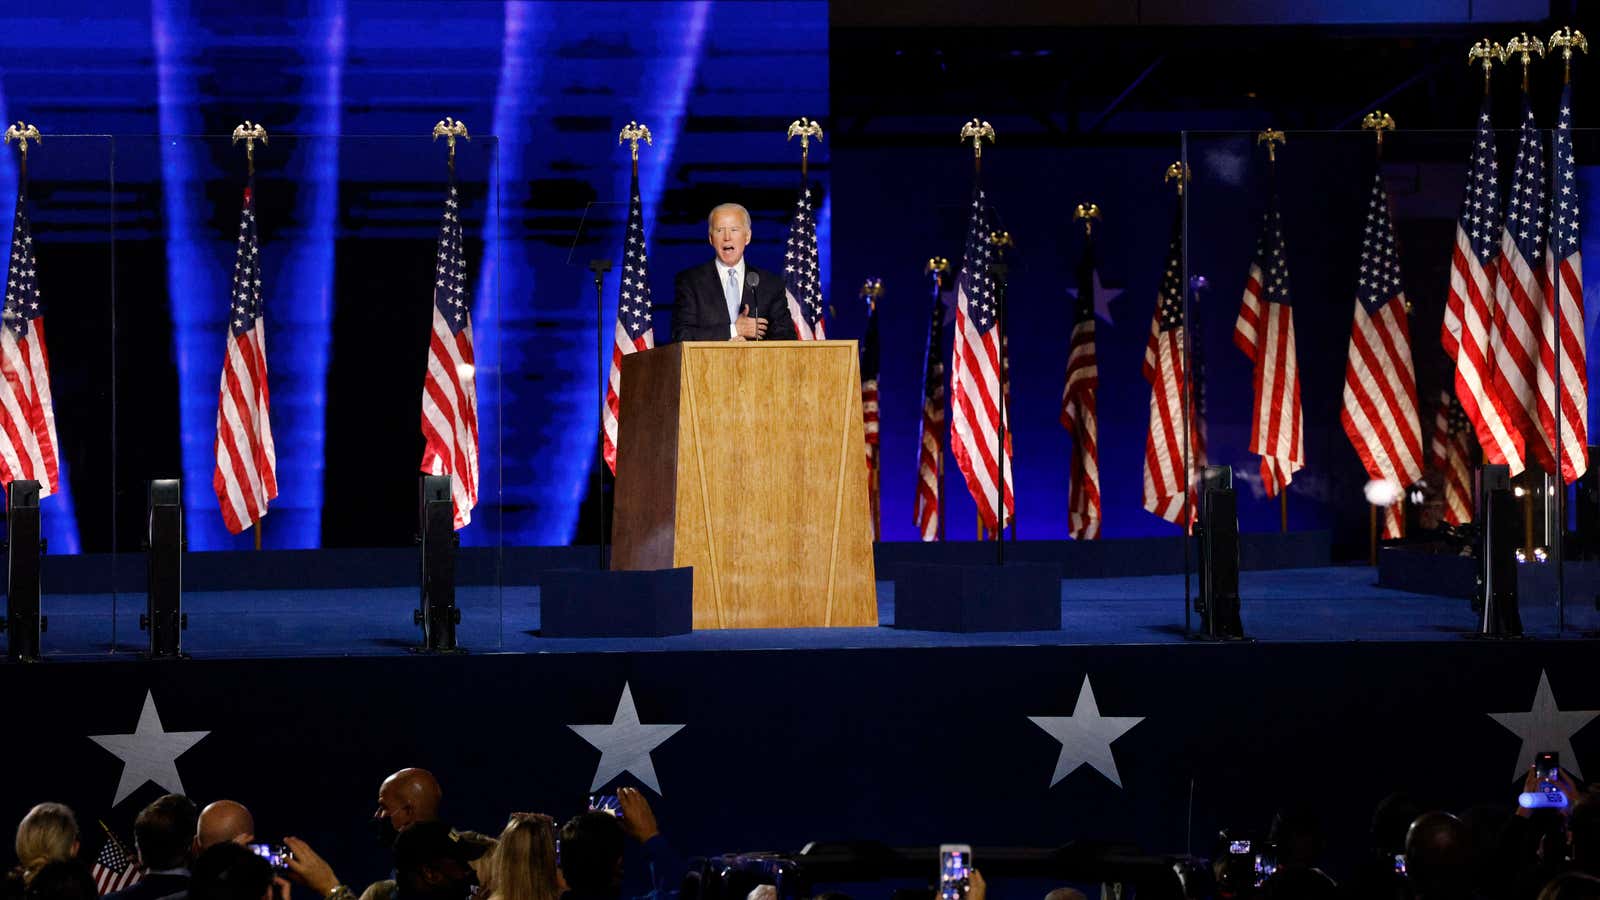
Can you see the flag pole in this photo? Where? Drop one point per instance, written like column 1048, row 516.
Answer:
column 1567, row 38
column 250, row 132
column 977, row 130
column 1379, row 121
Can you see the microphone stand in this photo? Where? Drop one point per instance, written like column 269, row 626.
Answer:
column 600, row 267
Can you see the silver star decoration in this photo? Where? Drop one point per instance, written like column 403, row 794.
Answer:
column 150, row 753
column 1102, row 298
column 1086, row 737
column 1546, row 728
column 625, row 744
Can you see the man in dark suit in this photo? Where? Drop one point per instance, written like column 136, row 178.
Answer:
column 164, row 835
column 726, row 299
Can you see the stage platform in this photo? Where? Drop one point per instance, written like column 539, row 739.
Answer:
column 298, row 700
column 1291, row 605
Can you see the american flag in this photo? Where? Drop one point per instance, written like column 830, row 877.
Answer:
column 869, row 405
column 1078, row 413
column 28, row 446
column 246, row 474
column 1265, row 332
column 634, row 331
column 802, row 283
column 975, row 372
column 1166, row 461
column 1567, row 256
column 450, row 389
column 114, row 867
column 1468, row 334
column 930, row 446
column 1380, row 385
column 1450, row 455
column 1521, row 293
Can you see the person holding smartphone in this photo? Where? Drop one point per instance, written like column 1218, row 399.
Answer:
column 591, row 853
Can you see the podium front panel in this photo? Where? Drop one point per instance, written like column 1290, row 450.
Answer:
column 762, row 448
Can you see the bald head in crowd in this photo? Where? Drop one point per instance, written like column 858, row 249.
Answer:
column 222, row 822
column 1437, row 856
column 409, row 796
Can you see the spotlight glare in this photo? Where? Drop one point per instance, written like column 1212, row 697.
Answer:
column 1521, row 556
column 1518, row 492
column 1383, row 492
column 1539, row 555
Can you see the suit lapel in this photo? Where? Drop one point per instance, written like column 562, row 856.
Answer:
column 714, row 286
column 750, row 292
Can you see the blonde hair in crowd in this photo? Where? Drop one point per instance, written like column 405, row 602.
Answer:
column 524, row 865
column 46, row 834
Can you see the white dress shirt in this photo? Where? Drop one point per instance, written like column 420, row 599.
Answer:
column 722, row 280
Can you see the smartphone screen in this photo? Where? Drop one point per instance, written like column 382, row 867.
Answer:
column 955, row 871
column 1239, row 848
column 277, row 855
column 1548, row 765
column 606, row 803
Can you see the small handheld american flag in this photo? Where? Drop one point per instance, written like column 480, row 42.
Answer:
column 114, row 867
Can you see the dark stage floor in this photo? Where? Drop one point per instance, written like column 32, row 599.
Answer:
column 1286, row 605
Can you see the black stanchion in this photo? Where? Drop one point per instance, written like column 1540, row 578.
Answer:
column 1497, row 572
column 1217, row 530
column 164, row 617
column 438, row 614
column 24, row 546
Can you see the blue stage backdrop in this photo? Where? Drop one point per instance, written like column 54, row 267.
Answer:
column 347, row 228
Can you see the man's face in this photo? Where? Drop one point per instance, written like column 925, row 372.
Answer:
column 392, row 807
column 729, row 236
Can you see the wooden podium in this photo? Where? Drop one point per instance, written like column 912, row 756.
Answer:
column 748, row 462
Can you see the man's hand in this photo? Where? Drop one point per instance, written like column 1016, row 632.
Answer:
column 309, row 869
column 751, row 329
column 1563, row 783
column 637, row 818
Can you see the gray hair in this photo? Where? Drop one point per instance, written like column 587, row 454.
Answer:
column 723, row 207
